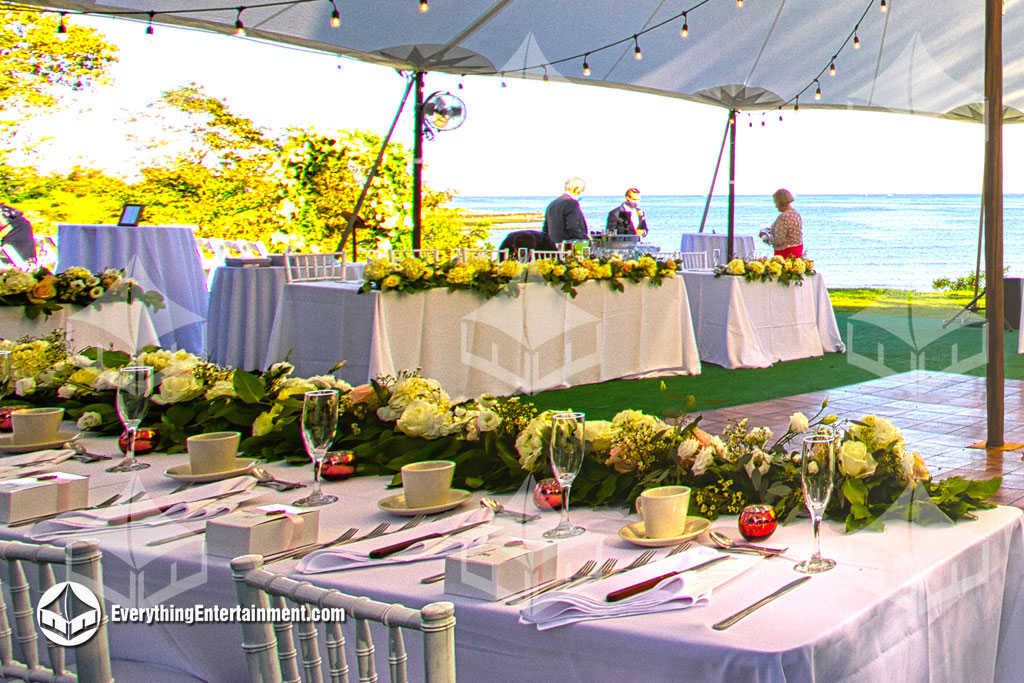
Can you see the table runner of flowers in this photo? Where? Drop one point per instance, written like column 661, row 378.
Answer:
column 768, row 269
column 497, row 442
column 490, row 278
column 42, row 292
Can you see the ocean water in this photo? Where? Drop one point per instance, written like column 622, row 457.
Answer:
column 887, row 241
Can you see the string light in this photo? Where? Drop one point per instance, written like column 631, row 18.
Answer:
column 832, row 67
column 686, row 28
column 796, row 104
column 762, row 119
column 883, row 7
column 335, row 15
column 637, row 55
column 546, row 79
column 856, row 39
column 149, row 27
column 817, row 91
column 739, row 3
column 503, row 80
column 424, row 6
column 586, row 67
column 62, row 27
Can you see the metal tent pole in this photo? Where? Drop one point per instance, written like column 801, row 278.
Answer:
column 714, row 177
column 732, row 183
column 993, row 189
column 417, row 163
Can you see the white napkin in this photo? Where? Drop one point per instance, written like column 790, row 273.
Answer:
column 588, row 601
column 192, row 504
column 352, row 555
column 30, row 464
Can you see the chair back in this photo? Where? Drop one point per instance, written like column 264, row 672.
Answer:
column 489, row 254
column 311, row 267
column 270, row 647
column 46, row 251
column 428, row 256
column 543, row 254
column 693, row 260
column 17, row 610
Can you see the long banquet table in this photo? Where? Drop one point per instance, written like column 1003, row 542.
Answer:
column 114, row 325
column 742, row 324
column 911, row 604
column 160, row 257
column 540, row 339
column 743, row 245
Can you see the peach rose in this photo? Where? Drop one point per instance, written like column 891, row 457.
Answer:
column 46, row 289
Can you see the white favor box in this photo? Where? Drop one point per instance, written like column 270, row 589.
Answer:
column 262, row 530
column 44, row 494
column 495, row 571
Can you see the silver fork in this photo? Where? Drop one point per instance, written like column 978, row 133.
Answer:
column 685, row 545
column 587, row 567
column 638, row 561
column 412, row 522
column 299, row 554
column 603, row 572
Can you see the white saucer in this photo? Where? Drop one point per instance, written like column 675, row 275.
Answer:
column 184, row 472
column 396, row 504
column 11, row 447
column 634, row 533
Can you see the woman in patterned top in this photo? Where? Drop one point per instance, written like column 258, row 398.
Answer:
column 786, row 234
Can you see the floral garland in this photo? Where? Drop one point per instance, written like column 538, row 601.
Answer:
column 497, row 442
column 40, row 291
column 493, row 277
column 768, row 269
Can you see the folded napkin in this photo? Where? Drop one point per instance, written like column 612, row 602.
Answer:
column 353, row 555
column 33, row 463
column 194, row 504
column 588, row 601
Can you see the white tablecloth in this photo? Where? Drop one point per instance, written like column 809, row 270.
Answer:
column 540, row 339
column 164, row 258
column 910, row 604
column 743, row 324
column 242, row 306
column 743, row 246
column 113, row 325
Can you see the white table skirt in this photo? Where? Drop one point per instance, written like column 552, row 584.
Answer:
column 242, row 306
column 910, row 604
column 541, row 339
column 163, row 258
column 112, row 326
column 742, row 324
column 743, row 246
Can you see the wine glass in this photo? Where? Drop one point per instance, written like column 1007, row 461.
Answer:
column 5, row 373
column 817, row 465
column 319, row 423
column 134, row 389
column 716, row 256
column 567, row 441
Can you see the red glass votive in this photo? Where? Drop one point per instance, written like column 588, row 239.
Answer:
column 338, row 465
column 757, row 522
column 146, row 441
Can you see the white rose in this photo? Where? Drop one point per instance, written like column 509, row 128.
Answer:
column 798, row 423
column 24, row 386
column 812, row 467
column 66, row 391
column 178, row 388
column 80, row 361
column 719, row 447
column 885, row 433
column 221, row 388
column 855, row 461
column 702, row 461
column 687, row 448
column 89, row 420
column 423, row 419
column 487, row 421
column 106, row 381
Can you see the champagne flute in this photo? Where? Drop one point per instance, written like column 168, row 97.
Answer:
column 567, row 442
column 817, row 465
column 319, row 424
column 5, row 373
column 134, row 389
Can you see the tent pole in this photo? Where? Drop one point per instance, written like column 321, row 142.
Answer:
column 714, row 176
column 417, row 163
column 993, row 189
column 350, row 228
column 732, row 182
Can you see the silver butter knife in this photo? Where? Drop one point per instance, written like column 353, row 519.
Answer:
column 726, row 623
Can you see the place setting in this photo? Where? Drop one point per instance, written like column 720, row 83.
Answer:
column 426, row 490
column 212, row 457
column 35, row 429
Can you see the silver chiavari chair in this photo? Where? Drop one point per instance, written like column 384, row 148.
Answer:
column 312, row 267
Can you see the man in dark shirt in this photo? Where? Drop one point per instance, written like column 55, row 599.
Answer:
column 628, row 218
column 563, row 219
column 16, row 231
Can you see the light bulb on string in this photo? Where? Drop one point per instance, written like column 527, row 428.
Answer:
column 739, row 3
column 832, row 67
column 62, row 27
column 503, row 80
column 637, row 54
column 817, row 91
column 883, row 7
column 796, row 104
column 335, row 16
column 546, row 74
column 149, row 27
column 239, row 26
column 586, row 67
column 424, row 6
column 856, row 40
column 686, row 28
column 762, row 119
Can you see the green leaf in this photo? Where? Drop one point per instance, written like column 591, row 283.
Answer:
column 855, row 491
column 249, row 387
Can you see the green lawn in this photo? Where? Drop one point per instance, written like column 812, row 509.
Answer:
column 885, row 332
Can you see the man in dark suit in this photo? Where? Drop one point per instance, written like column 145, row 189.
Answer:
column 563, row 219
column 628, row 218
column 16, row 231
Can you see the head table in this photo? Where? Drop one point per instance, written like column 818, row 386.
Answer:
column 911, row 604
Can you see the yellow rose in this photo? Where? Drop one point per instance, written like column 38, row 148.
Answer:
column 413, row 268
column 390, row 282
column 756, row 267
column 545, row 267
column 558, row 271
column 178, row 388
column 855, row 461
column 377, row 269
column 736, row 267
column 46, row 289
column 509, row 269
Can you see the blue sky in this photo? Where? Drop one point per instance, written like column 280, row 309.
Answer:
column 527, row 137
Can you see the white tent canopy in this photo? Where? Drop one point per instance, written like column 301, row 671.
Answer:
column 920, row 56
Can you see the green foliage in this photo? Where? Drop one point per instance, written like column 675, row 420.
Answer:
column 961, row 284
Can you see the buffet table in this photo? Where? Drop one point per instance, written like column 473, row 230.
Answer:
column 112, row 325
column 164, row 258
column 742, row 324
column 541, row 339
column 940, row 603
column 742, row 245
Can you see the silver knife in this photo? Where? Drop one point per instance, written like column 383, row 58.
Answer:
column 726, row 623
column 179, row 537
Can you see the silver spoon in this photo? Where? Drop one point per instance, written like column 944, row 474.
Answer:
column 499, row 509
column 265, row 477
column 81, row 454
column 723, row 541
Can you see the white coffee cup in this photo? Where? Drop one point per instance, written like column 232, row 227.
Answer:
column 213, row 452
column 36, row 425
column 664, row 510
column 427, row 483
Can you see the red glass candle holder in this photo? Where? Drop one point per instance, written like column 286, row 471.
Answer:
column 5, row 417
column 757, row 522
column 547, row 494
column 146, row 441
column 338, row 465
